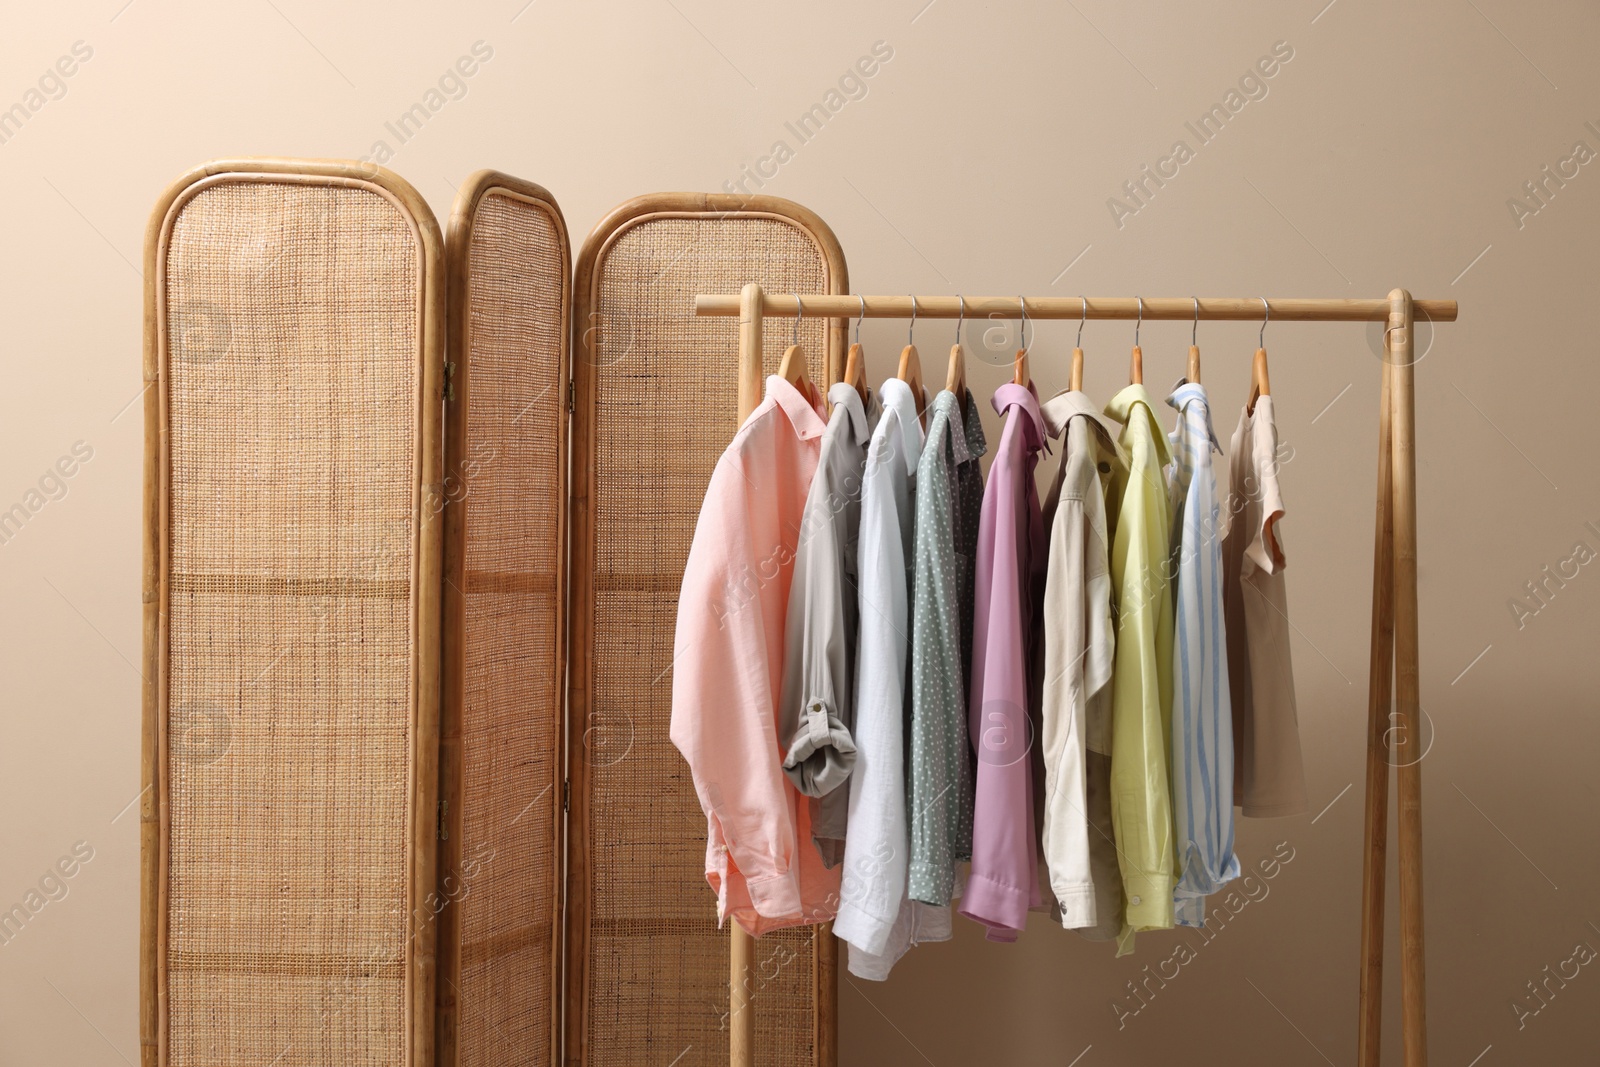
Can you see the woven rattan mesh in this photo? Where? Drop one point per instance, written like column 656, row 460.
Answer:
column 292, row 325
column 511, row 739
column 665, row 408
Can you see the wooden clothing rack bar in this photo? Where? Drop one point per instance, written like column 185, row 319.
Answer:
column 1393, row 677
column 1235, row 308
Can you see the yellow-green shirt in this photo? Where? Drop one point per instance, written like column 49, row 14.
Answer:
column 1141, row 676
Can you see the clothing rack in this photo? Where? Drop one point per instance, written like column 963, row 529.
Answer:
column 1393, row 668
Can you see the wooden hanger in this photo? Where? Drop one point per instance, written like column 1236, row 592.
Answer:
column 1075, row 377
column 1136, row 364
column 1194, row 351
column 1259, row 386
column 855, row 363
column 955, row 379
column 1019, row 366
column 792, row 368
column 911, row 368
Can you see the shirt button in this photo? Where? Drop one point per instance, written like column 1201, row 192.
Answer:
column 1136, row 901
column 1105, row 468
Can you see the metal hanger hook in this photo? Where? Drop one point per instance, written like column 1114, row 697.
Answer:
column 1083, row 320
column 1023, row 304
column 799, row 313
column 1266, row 317
column 1194, row 331
column 1138, row 322
column 911, row 330
column 961, row 315
column 862, row 316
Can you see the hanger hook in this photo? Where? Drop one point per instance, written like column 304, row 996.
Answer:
column 799, row 313
column 961, row 315
column 1023, row 304
column 1139, row 322
column 1083, row 320
column 911, row 330
column 1266, row 317
column 862, row 316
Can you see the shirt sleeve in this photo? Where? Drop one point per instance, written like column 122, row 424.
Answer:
column 1202, row 738
column 875, row 861
column 723, row 704
column 1141, row 807
column 1265, row 550
column 1004, row 880
column 814, row 707
column 935, row 787
column 1065, row 833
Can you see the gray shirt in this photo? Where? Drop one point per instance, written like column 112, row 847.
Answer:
column 816, row 710
column 940, row 787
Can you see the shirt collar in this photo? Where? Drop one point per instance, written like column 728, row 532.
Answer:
column 1186, row 393
column 805, row 412
column 1067, row 405
column 947, row 404
column 843, row 395
column 1011, row 395
column 898, row 399
column 1127, row 405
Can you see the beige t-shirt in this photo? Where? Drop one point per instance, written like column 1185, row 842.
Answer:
column 1268, row 778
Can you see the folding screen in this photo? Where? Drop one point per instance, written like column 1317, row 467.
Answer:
column 505, row 492
column 656, row 401
column 293, row 339
column 360, row 729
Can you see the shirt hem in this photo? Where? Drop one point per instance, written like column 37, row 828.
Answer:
column 1274, row 811
column 864, row 931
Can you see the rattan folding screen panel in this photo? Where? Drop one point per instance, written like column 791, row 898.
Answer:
column 365, row 706
column 505, row 489
column 656, row 403
column 293, row 339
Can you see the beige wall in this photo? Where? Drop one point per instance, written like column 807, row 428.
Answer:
column 981, row 159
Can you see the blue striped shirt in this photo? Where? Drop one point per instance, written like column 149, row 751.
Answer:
column 1202, row 727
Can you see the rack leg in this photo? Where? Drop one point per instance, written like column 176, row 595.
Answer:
column 1379, row 694
column 741, row 1020
column 826, row 954
column 1408, row 748
column 741, row 949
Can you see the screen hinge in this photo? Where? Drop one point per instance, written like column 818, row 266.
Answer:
column 444, row 813
column 566, row 794
column 572, row 395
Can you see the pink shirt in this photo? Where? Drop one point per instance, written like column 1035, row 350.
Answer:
column 1004, row 711
column 728, row 669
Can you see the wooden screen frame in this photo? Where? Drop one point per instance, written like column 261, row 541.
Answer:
column 458, row 245
column 426, row 582
column 581, row 606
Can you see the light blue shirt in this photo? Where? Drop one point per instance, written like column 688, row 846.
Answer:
column 1202, row 725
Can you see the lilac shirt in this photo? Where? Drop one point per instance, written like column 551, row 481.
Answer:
column 1003, row 713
